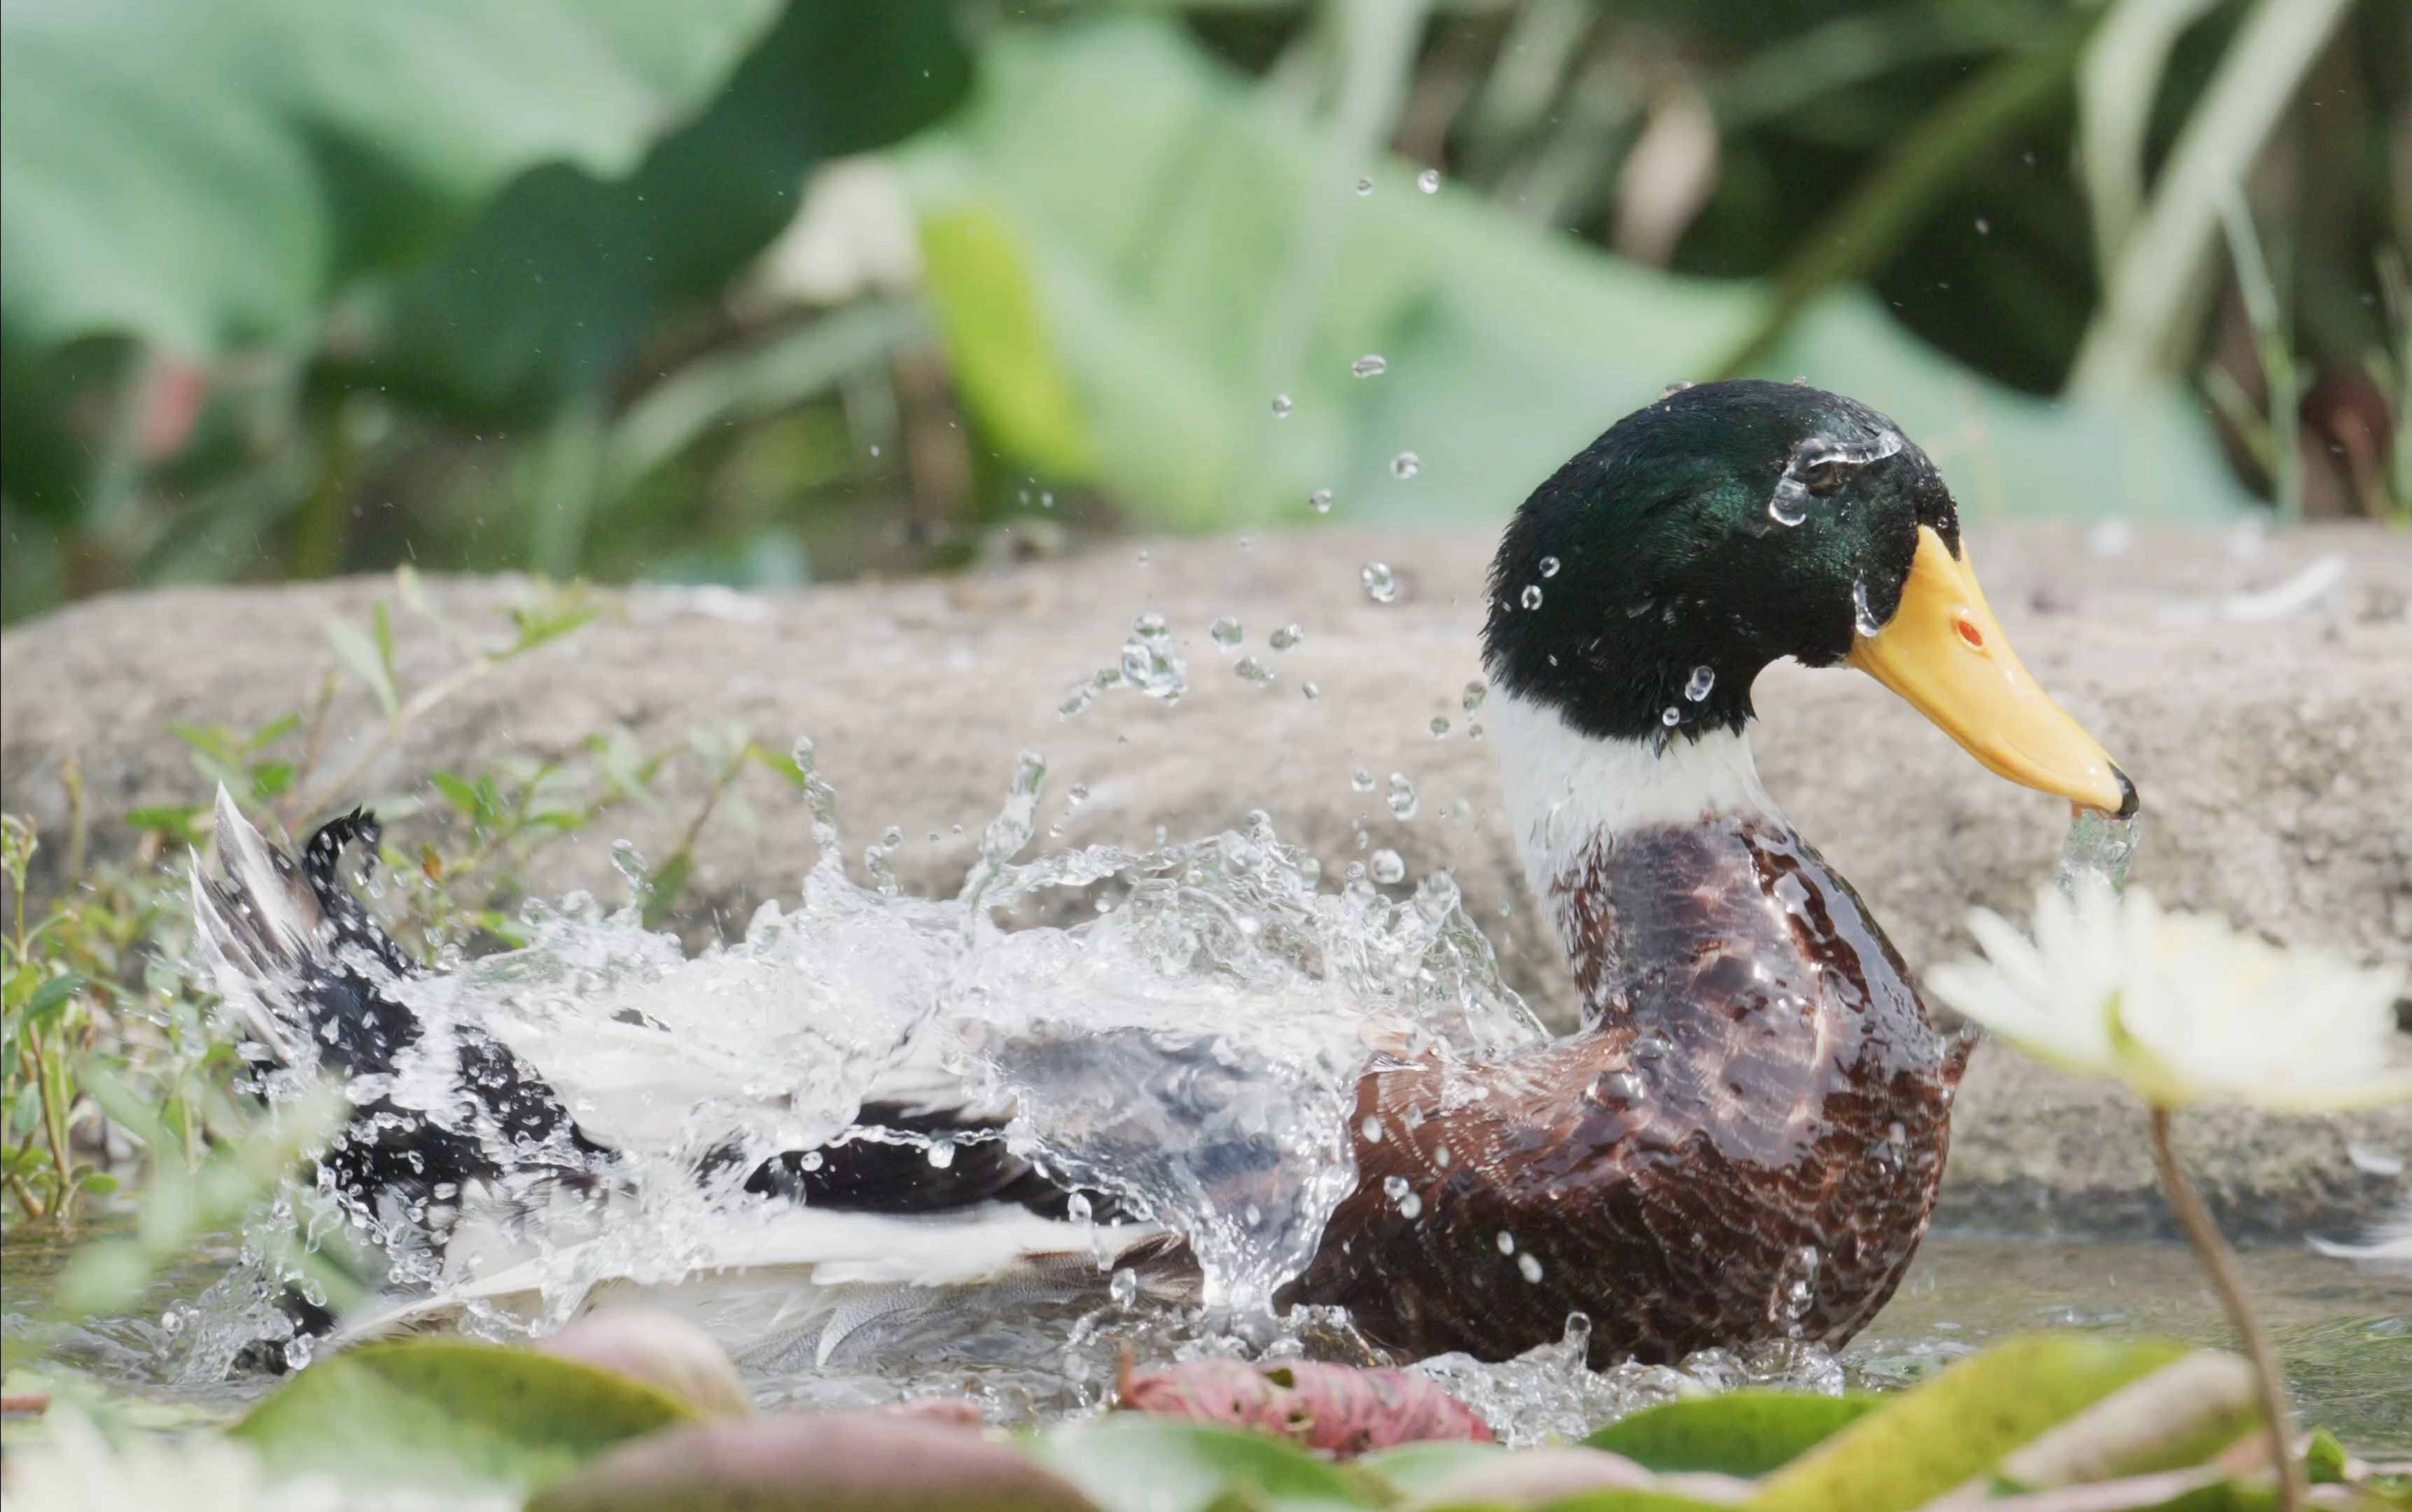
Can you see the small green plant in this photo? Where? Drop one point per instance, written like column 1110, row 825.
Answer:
column 107, row 1032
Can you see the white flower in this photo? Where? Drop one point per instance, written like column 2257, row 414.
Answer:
column 2181, row 1006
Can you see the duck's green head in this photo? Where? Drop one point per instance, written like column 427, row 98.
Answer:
column 1640, row 589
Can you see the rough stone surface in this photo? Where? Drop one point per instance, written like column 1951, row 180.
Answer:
column 2272, row 755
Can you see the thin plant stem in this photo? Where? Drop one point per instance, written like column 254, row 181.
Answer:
column 2201, row 1232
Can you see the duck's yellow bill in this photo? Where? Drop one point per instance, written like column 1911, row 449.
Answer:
column 1943, row 651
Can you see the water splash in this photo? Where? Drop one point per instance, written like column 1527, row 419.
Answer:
column 2099, row 846
column 1548, row 1394
column 1192, row 1052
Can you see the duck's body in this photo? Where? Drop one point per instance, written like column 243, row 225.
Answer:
column 1742, row 1141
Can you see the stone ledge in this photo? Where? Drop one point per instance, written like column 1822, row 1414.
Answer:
column 2270, row 755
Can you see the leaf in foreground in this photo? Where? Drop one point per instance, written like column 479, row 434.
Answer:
column 444, row 1414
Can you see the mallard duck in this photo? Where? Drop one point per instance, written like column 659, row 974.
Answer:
column 1743, row 1139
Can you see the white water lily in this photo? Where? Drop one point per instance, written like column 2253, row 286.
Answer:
column 2182, row 1007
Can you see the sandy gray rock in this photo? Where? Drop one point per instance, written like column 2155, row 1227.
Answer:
column 2270, row 754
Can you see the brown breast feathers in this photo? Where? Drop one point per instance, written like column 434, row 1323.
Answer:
column 1742, row 1144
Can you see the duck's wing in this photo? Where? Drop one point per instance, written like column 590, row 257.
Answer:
column 806, row 1277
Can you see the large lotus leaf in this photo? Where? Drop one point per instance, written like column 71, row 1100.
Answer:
column 1737, row 1433
column 1959, row 1425
column 443, row 1414
column 1190, row 254
column 555, row 282
column 204, row 176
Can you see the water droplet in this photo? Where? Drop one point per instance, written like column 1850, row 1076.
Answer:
column 1077, row 1208
column 1371, row 366
column 1253, row 1215
column 1531, row 598
column 1320, row 501
column 1549, row 566
column 1405, row 464
column 1473, row 732
column 1364, row 186
column 1381, row 584
column 1281, row 406
column 1225, row 631
column 1506, row 1242
column 1429, row 180
column 1618, row 1089
column 1670, row 716
column 1530, row 1268
column 1371, row 1129
column 1674, row 389
column 1474, row 693
column 892, row 837
column 1251, row 668
column 1411, row 1206
column 1402, row 796
column 1984, row 226
column 810, row 1160
column 1124, row 1289
column 1312, row 692
column 1440, row 727
column 1702, row 679
column 942, row 1154
column 1863, row 615
column 1442, row 1156
column 1389, row 867
column 1362, row 781
column 1284, row 638
column 1150, row 627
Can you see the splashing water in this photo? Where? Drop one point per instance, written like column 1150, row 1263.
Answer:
column 1192, row 1052
column 1149, row 664
column 1548, row 1394
column 2099, row 846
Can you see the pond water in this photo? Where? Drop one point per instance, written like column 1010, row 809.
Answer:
column 2345, row 1332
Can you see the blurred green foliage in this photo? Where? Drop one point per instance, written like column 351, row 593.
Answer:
column 292, row 290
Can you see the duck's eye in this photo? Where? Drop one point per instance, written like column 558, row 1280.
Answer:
column 1823, row 477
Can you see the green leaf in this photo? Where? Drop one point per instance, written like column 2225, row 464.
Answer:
column 2324, row 1459
column 99, row 1183
column 1412, row 1469
column 51, row 998
column 1125, row 219
column 440, row 1414
column 457, row 792
column 663, row 888
column 1961, row 1424
column 384, row 624
column 1129, row 1463
column 1736, row 1434
column 358, row 652
column 550, row 289
column 204, row 177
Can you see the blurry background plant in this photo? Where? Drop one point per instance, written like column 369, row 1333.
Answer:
column 293, row 290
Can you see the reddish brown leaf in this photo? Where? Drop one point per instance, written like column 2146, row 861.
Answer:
column 1339, row 1409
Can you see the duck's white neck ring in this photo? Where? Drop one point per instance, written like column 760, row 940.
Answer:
column 1568, row 792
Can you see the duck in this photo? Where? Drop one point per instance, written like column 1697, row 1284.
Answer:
column 1739, row 1142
